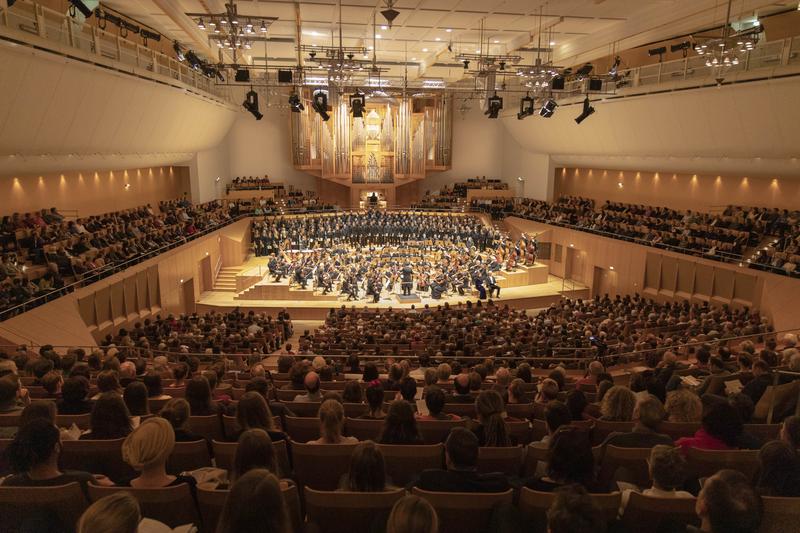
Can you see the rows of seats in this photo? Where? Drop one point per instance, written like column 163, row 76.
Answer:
column 450, row 196
column 722, row 236
column 44, row 252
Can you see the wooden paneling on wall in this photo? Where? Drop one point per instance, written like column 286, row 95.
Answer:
column 664, row 275
column 678, row 191
column 92, row 193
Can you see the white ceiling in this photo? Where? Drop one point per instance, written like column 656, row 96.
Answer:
column 581, row 30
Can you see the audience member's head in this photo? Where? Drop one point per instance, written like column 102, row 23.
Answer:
column 649, row 413
column 683, row 405
column 367, row 469
column 790, row 431
column 576, row 403
column 722, row 422
column 252, row 411
column 110, row 418
column 400, row 425
column 255, row 505
column 489, row 407
column 667, row 467
column 412, row 514
column 574, row 511
column 461, row 449
column 135, row 397
column 177, row 413
column 254, row 450
column 374, row 395
column 352, row 392
column 116, row 513
column 779, row 472
column 570, row 458
column 727, row 503
column 556, row 414
column 36, row 443
column 331, row 418
column 434, row 400
column 618, row 404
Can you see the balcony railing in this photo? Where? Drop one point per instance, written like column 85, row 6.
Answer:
column 33, row 24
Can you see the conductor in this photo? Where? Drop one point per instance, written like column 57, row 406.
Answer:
column 407, row 280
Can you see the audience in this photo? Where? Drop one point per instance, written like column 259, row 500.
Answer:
column 177, row 413
column 367, row 471
column 110, row 419
column 254, row 450
column 255, row 505
column 491, row 426
column 779, row 470
column 147, row 449
column 400, row 425
column 728, row 504
column 574, row 511
column 331, row 422
column 569, row 460
column 412, row 514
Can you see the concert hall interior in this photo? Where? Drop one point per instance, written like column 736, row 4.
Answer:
column 399, row 266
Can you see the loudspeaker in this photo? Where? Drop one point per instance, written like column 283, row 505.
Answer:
column 558, row 83
column 243, row 74
column 595, row 84
column 284, row 76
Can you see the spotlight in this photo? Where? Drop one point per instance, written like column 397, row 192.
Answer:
column 587, row 111
column 296, row 104
column 178, row 51
column 466, row 64
column 525, row 107
column 319, row 103
column 390, row 13
column 357, row 103
column 548, row 108
column 584, row 71
column 251, row 104
column 658, row 52
column 200, row 24
column 685, row 45
column 193, row 60
column 495, row 105
column 80, row 6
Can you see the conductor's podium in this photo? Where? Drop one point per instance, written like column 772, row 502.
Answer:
column 523, row 275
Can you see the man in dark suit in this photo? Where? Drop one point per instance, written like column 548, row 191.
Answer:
column 762, row 379
column 461, row 453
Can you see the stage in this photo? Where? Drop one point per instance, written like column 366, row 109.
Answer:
column 527, row 288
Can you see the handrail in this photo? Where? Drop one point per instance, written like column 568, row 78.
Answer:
column 30, row 18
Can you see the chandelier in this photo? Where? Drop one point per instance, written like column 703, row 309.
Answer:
column 537, row 76
column 340, row 63
column 727, row 51
column 232, row 30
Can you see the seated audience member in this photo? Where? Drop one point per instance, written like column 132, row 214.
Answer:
column 576, row 403
column 252, row 412
column 177, row 413
column 52, row 383
column 147, row 449
column 374, row 395
column 668, row 471
column 574, row 511
column 461, row 475
column 592, row 374
column 73, row 397
column 107, row 382
column 721, row 429
column 779, row 470
column 255, row 505
column 408, row 392
column 117, row 513
column 683, row 405
column 311, row 383
column 762, row 379
column 548, row 391
column 400, row 426
column 13, row 398
column 491, row 426
column 179, row 373
column 556, row 414
column 33, row 455
column 435, row 401
column 261, row 386
column 198, row 394
column 331, row 422
column 443, row 372
column 790, row 431
column 412, row 514
column 516, row 392
column 461, row 388
column 648, row 415
column 569, row 460
column 135, row 397
column 367, row 470
column 255, row 450
column 110, row 419
column 618, row 404
column 155, row 390
column 727, row 503
column 352, row 392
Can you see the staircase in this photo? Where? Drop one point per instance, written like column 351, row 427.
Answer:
column 226, row 279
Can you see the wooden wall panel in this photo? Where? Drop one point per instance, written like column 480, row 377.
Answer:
column 118, row 301
column 87, row 311
column 704, row 282
column 652, row 272
column 131, row 305
column 723, row 284
column 102, row 306
column 669, row 275
column 141, row 291
column 744, row 288
column 154, row 299
column 686, row 270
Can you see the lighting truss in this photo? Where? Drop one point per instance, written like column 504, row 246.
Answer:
column 484, row 64
column 231, row 29
column 538, row 76
column 339, row 63
column 725, row 52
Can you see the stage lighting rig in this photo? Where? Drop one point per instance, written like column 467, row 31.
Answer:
column 495, row 105
column 357, row 103
column 251, row 104
column 295, row 103
column 319, row 103
column 588, row 110
column 548, row 108
column 525, row 107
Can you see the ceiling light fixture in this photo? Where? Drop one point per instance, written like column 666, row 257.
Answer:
column 232, row 30
column 320, row 104
column 390, row 13
column 295, row 103
column 495, row 105
column 358, row 102
column 525, row 107
column 548, row 108
column 251, row 104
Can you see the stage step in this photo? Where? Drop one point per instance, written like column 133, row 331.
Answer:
column 226, row 279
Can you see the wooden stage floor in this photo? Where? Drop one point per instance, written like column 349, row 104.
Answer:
column 525, row 297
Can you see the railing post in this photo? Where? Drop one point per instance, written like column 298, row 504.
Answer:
column 38, row 13
column 685, row 67
column 786, row 50
column 70, row 34
column 118, row 40
column 95, row 41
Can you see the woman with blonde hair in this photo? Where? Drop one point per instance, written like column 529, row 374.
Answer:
column 331, row 421
column 491, row 427
column 412, row 514
column 117, row 513
column 147, row 449
column 618, row 404
column 683, row 405
column 255, row 505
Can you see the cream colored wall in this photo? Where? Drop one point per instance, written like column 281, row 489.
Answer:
column 676, row 190
column 91, row 192
column 776, row 296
